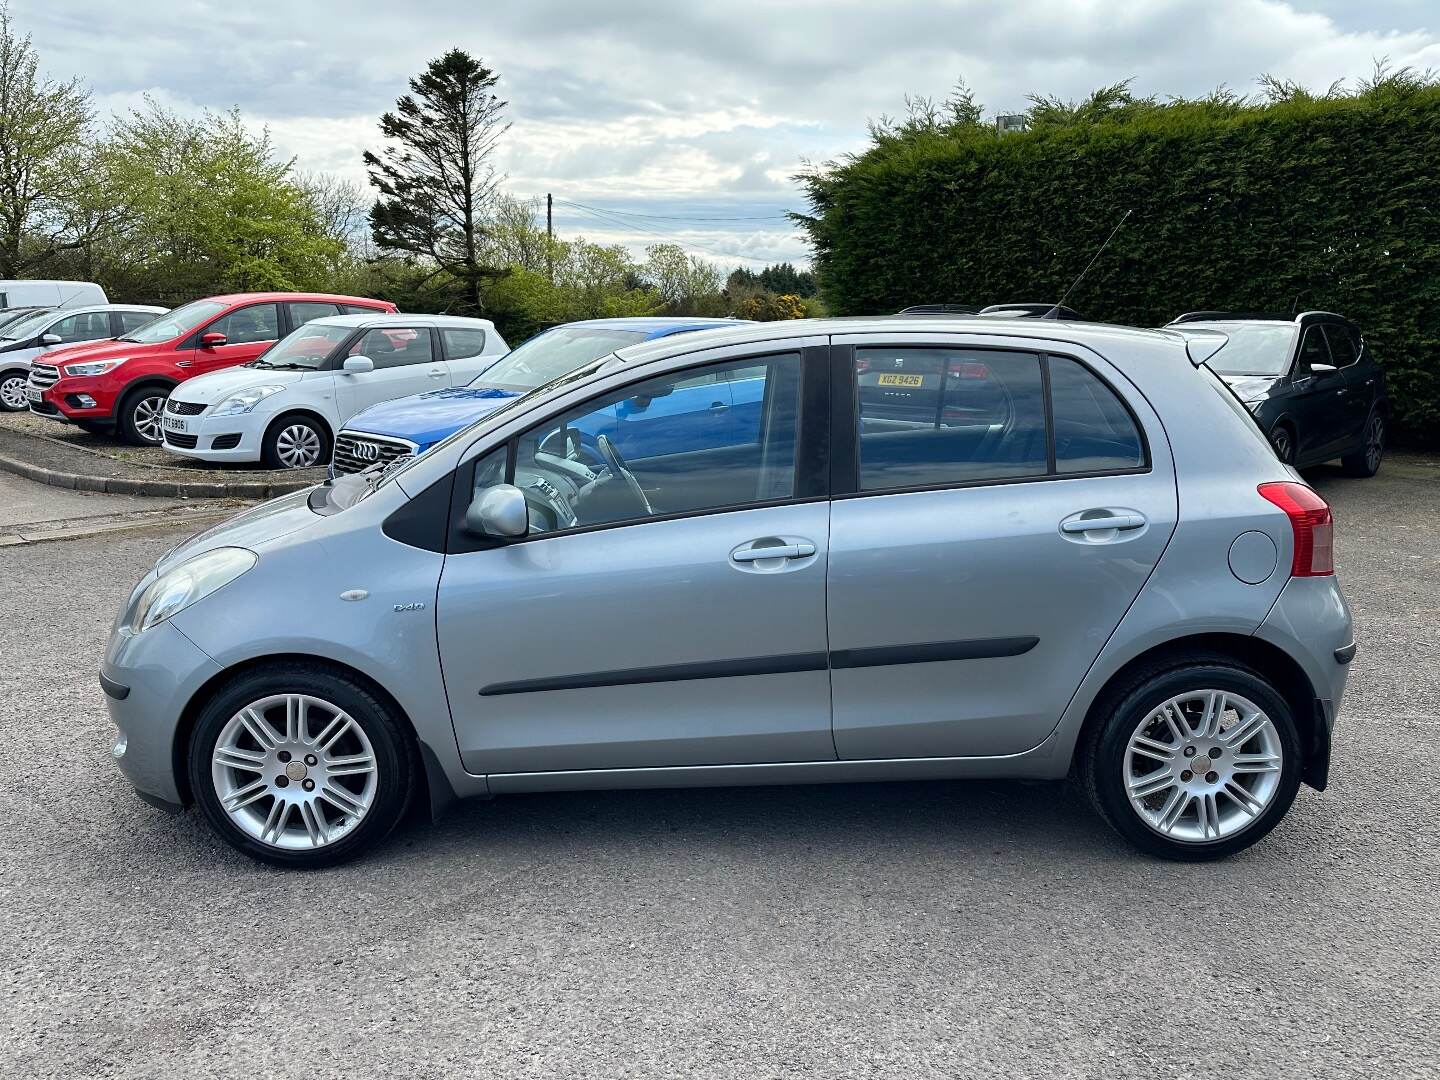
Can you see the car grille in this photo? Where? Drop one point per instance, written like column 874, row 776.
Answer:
column 183, row 408
column 356, row 452
column 184, row 442
column 44, row 376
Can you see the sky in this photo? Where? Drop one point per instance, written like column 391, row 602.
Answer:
column 686, row 122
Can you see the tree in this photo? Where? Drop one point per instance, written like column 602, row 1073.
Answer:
column 434, row 175
column 687, row 284
column 45, row 185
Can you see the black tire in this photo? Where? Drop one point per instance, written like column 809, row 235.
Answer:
column 136, row 409
column 273, row 455
column 1363, row 463
column 12, row 391
column 396, row 761
column 1102, row 754
column 1283, row 439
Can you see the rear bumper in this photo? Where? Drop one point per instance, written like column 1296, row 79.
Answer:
column 1311, row 623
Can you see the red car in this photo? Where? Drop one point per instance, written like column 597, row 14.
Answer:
column 121, row 385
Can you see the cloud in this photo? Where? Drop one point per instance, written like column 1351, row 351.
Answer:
column 645, row 105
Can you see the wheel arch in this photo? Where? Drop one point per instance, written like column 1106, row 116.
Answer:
column 437, row 792
column 300, row 410
column 1268, row 660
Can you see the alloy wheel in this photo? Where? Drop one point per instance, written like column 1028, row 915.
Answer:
column 147, row 415
column 1374, row 443
column 1284, row 449
column 298, row 446
column 1203, row 766
column 12, row 393
column 294, row 771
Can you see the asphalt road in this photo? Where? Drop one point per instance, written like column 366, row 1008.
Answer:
column 939, row 929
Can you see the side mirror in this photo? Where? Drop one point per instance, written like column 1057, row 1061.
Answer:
column 1320, row 371
column 210, row 341
column 357, row 365
column 499, row 513
column 52, row 339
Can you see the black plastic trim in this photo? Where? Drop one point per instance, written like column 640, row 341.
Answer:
column 932, row 652
column 709, row 669
column 116, row 690
column 424, row 521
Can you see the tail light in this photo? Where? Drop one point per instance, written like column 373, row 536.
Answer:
column 1311, row 524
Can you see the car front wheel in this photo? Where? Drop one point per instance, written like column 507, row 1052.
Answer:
column 12, row 392
column 141, row 414
column 1195, row 762
column 299, row 766
column 295, row 442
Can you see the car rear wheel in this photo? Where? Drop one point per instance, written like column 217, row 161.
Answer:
column 141, row 413
column 1283, row 439
column 12, row 392
column 296, row 442
column 1195, row 762
column 1366, row 460
column 300, row 767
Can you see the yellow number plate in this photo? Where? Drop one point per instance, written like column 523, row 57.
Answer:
column 900, row 380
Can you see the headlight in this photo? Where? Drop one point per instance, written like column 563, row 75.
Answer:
column 96, row 367
column 194, row 579
column 245, row 400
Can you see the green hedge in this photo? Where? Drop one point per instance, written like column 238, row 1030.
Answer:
column 1329, row 204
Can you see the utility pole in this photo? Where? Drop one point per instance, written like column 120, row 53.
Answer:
column 550, row 235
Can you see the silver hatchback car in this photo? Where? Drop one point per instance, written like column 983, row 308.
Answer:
column 847, row 550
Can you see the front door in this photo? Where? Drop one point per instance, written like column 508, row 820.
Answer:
column 967, row 595
column 1320, row 399
column 406, row 362
column 248, row 332
column 641, row 623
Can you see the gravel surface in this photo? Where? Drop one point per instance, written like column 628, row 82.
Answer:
column 939, row 929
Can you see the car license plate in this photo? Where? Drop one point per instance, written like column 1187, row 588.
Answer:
column 32, row 394
column 901, row 380
column 172, row 424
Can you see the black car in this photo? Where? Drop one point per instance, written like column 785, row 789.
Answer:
column 1310, row 381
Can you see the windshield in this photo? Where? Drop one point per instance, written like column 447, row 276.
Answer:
column 27, row 326
column 554, row 353
column 1252, row 349
column 307, row 347
column 175, row 323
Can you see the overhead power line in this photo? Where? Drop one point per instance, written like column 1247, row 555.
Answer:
column 782, row 216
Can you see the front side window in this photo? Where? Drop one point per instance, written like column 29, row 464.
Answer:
column 87, row 326
column 258, row 322
column 934, row 416
column 396, row 346
column 663, row 446
column 176, row 323
column 130, row 321
column 463, row 344
column 1313, row 350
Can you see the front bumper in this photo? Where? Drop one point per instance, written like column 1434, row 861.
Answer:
column 66, row 400
column 148, row 680
column 215, row 438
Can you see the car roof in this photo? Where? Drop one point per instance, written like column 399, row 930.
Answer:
column 906, row 325
column 297, row 297
column 146, row 308
column 385, row 318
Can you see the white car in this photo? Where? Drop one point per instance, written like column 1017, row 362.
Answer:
column 47, row 328
column 283, row 409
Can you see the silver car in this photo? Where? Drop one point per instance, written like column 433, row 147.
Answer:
column 23, row 339
column 875, row 550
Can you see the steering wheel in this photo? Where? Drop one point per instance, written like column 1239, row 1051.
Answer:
column 617, row 466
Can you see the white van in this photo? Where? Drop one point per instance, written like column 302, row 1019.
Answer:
column 51, row 294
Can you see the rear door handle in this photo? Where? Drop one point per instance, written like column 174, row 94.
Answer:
column 1107, row 521
column 801, row 550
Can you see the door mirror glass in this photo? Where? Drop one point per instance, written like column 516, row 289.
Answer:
column 210, row 341
column 498, row 512
column 52, row 339
column 358, row 365
column 1322, row 370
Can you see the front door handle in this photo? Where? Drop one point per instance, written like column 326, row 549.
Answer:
column 436, row 373
column 718, row 406
column 1099, row 522
column 802, row 549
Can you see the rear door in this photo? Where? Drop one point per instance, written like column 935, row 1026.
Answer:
column 967, row 597
column 407, row 361
column 248, row 331
column 465, row 355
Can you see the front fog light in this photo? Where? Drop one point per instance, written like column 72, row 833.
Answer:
column 121, row 745
column 86, row 401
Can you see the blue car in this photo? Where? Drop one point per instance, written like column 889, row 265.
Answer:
column 411, row 425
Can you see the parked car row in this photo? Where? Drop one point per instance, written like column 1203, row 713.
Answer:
column 845, row 550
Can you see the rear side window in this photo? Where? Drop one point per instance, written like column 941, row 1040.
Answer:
column 947, row 416
column 302, row 311
column 360, row 309
column 462, row 344
column 1342, row 346
column 1093, row 429
column 933, row 417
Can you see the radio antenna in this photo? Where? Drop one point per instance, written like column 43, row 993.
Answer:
column 1054, row 312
